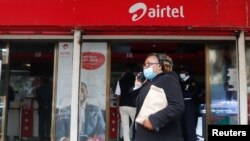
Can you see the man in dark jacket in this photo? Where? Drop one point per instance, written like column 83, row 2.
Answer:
column 44, row 99
column 190, row 117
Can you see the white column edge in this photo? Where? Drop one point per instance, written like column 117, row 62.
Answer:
column 75, row 86
column 243, row 118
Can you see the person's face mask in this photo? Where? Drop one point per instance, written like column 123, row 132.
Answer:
column 149, row 73
column 182, row 75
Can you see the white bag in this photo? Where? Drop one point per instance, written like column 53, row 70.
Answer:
column 155, row 100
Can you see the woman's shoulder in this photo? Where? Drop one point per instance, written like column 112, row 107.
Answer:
column 164, row 76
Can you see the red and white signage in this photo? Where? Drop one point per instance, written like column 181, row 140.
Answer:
column 89, row 13
column 65, row 70
column 93, row 71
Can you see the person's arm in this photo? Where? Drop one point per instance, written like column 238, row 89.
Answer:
column 117, row 95
column 175, row 107
column 134, row 90
column 139, row 81
column 118, row 89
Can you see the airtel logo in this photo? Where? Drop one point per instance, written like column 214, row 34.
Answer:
column 65, row 46
column 155, row 12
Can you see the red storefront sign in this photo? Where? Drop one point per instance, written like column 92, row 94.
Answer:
column 71, row 13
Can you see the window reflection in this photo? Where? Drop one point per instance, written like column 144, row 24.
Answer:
column 223, row 84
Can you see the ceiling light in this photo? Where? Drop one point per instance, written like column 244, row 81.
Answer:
column 27, row 65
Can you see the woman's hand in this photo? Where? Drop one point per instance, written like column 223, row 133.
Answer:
column 147, row 124
column 138, row 83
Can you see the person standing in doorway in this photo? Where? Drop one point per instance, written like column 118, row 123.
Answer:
column 43, row 95
column 190, row 117
column 126, row 102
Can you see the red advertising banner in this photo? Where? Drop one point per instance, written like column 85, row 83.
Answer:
column 71, row 13
column 92, row 60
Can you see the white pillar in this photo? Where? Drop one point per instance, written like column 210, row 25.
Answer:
column 242, row 99
column 74, row 130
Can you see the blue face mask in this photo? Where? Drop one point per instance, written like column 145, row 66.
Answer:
column 149, row 73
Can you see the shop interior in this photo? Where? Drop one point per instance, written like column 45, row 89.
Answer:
column 32, row 59
column 190, row 55
column 29, row 61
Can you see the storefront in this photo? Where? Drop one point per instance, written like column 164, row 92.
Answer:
column 76, row 42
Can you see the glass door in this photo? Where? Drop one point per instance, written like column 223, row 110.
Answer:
column 30, row 77
column 222, row 85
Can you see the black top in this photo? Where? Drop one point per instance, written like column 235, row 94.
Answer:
column 126, row 82
column 44, row 96
column 189, row 88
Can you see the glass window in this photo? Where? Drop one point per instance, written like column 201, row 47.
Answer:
column 223, row 84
